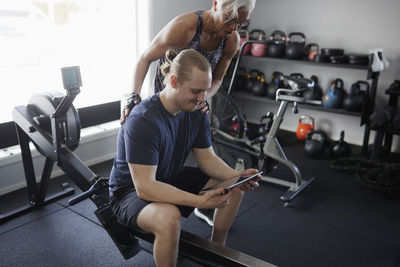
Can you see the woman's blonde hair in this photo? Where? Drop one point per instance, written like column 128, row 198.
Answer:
column 180, row 64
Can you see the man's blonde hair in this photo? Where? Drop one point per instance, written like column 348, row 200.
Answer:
column 181, row 64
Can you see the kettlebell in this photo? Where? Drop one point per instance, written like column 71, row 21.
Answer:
column 260, row 86
column 258, row 49
column 276, row 44
column 340, row 148
column 244, row 36
column 312, row 50
column 358, row 95
column 306, row 124
column 251, row 80
column 274, row 84
column 333, row 97
column 296, row 75
column 295, row 49
column 241, row 77
column 315, row 144
column 315, row 92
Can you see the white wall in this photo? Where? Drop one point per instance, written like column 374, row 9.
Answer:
column 163, row 11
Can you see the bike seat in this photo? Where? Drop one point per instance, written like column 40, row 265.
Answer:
column 298, row 83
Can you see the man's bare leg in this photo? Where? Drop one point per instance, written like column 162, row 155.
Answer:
column 223, row 217
column 164, row 221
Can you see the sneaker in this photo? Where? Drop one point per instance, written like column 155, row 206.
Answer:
column 206, row 215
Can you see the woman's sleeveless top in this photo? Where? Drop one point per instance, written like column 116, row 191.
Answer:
column 213, row 56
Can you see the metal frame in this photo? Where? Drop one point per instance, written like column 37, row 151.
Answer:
column 272, row 148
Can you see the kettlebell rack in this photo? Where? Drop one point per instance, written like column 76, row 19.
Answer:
column 250, row 97
column 372, row 76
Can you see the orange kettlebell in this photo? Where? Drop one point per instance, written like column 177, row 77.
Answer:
column 306, row 123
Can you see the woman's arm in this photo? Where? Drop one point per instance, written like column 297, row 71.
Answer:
column 176, row 34
column 231, row 46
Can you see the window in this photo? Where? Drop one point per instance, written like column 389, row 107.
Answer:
column 39, row 37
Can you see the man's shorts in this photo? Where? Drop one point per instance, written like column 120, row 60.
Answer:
column 127, row 205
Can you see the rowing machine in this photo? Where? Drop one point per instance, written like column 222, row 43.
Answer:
column 52, row 124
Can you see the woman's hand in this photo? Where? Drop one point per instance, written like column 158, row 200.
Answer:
column 131, row 101
column 204, row 107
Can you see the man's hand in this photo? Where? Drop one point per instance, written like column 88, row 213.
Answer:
column 214, row 199
column 251, row 184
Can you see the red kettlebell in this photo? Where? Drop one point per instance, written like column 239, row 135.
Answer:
column 306, row 124
column 312, row 50
column 258, row 49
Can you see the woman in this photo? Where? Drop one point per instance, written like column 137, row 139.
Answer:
column 213, row 33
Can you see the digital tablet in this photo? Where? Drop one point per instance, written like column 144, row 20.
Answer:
column 230, row 187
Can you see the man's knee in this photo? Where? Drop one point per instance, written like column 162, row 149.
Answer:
column 168, row 221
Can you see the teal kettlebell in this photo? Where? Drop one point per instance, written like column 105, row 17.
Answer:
column 333, row 97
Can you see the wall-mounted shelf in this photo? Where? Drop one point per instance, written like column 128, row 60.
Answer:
column 250, row 97
column 306, row 62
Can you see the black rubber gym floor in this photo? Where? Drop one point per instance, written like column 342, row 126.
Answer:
column 334, row 222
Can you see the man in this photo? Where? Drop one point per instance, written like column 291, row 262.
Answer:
column 150, row 188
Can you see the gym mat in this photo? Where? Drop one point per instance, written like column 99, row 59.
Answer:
column 285, row 239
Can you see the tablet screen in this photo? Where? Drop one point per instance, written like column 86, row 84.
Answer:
column 240, row 181
column 230, row 183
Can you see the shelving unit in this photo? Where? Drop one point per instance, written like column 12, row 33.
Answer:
column 249, row 97
column 373, row 76
column 306, row 62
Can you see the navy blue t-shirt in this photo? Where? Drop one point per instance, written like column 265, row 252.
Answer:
column 152, row 136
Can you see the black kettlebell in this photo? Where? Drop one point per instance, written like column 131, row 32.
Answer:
column 358, row 95
column 251, row 80
column 276, row 44
column 315, row 92
column 241, row 77
column 275, row 83
column 340, row 148
column 240, row 80
column 296, row 49
column 260, row 86
column 316, row 141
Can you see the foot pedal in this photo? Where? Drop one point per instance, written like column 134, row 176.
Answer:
column 291, row 194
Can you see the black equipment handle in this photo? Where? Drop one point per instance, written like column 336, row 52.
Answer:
column 238, row 60
column 100, row 185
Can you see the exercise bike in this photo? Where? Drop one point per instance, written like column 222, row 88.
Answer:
column 52, row 124
column 228, row 128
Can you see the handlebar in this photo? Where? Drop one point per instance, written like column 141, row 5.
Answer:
column 100, row 185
